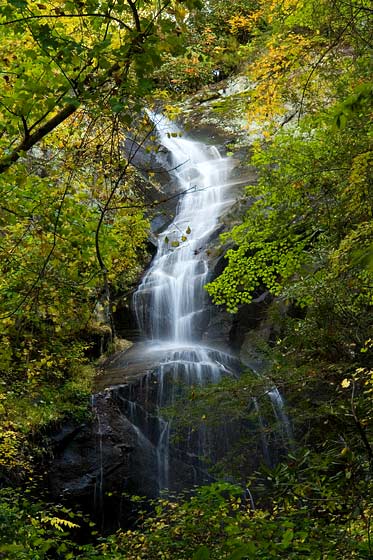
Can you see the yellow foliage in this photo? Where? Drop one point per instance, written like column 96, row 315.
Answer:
column 285, row 7
column 247, row 22
column 59, row 523
column 281, row 68
column 12, row 448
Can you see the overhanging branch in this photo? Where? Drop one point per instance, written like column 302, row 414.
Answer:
column 27, row 143
column 30, row 141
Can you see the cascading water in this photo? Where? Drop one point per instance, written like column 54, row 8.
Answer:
column 132, row 446
column 170, row 302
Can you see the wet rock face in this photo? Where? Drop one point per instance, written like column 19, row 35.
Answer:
column 92, row 460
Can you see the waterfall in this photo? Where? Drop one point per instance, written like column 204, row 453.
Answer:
column 282, row 418
column 171, row 302
column 172, row 311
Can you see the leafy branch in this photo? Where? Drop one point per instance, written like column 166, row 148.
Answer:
column 89, row 85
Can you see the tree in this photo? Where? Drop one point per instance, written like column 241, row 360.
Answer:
column 71, row 53
column 75, row 76
column 307, row 237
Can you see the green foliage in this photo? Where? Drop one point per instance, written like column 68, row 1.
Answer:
column 312, row 208
column 307, row 235
column 218, row 523
column 307, row 240
column 72, row 222
column 32, row 531
column 51, row 281
column 29, row 408
column 355, row 103
column 305, row 520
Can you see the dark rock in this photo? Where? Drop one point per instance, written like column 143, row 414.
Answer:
column 92, row 460
column 143, row 157
column 249, row 316
column 124, row 319
column 218, row 332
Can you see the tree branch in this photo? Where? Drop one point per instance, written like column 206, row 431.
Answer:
column 25, row 128
column 135, row 14
column 30, row 141
column 59, row 16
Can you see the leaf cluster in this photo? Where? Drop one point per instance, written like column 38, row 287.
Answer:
column 218, row 522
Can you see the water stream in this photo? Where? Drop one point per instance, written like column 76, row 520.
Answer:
column 171, row 303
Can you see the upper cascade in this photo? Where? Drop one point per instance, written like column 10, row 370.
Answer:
column 171, row 298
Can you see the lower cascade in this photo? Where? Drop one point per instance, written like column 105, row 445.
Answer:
column 162, row 371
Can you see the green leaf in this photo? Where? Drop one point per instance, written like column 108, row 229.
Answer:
column 202, row 553
column 71, row 101
column 19, row 3
column 117, row 108
column 287, row 538
column 243, row 551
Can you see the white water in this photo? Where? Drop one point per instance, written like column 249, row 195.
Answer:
column 170, row 302
column 278, row 406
